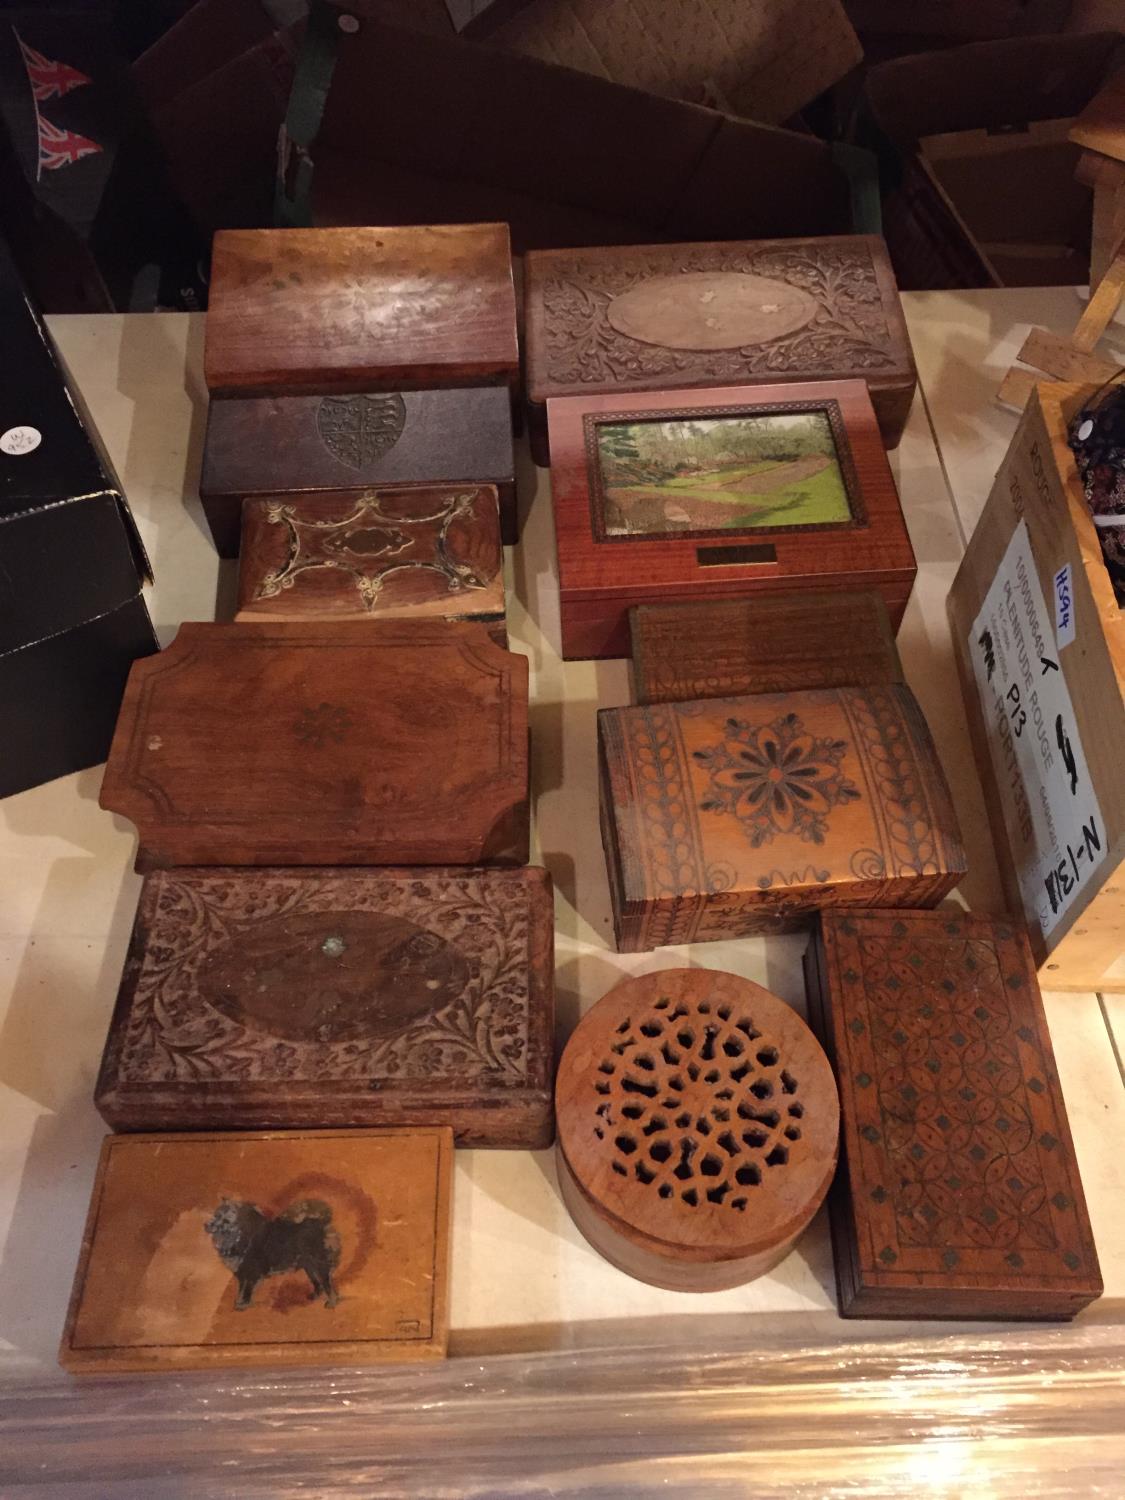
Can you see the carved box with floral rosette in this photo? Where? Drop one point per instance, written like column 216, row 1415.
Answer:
column 661, row 317
column 274, row 998
column 726, row 817
column 377, row 554
column 958, row 1194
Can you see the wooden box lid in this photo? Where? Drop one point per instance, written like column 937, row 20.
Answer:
column 378, row 554
column 297, row 1248
column 650, row 317
column 310, row 311
column 728, row 816
column 775, row 643
column 266, row 999
column 959, row 1195
column 334, row 743
column 698, row 1126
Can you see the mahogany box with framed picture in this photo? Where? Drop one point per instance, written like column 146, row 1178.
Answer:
column 674, row 317
column 719, row 494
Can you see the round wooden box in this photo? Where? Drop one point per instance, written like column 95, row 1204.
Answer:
column 698, row 1125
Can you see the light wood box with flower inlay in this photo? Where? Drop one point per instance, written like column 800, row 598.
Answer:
column 384, row 554
column 273, row 998
column 726, row 817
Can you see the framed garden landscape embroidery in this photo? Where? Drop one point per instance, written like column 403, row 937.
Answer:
column 728, row 493
column 689, row 473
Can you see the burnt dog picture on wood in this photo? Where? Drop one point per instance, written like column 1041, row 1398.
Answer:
column 269, row 1248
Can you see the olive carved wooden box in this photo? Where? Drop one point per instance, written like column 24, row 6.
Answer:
column 289, row 1248
column 316, row 311
column 270, row 998
column 430, row 554
column 287, row 447
column 726, row 817
column 660, row 317
column 325, row 743
column 958, row 1194
column 720, row 494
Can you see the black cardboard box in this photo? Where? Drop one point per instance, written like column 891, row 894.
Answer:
column 72, row 567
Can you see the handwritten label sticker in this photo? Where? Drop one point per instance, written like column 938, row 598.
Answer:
column 1064, row 608
column 20, row 440
column 1051, row 811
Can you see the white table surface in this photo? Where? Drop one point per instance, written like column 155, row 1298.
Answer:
column 523, row 1278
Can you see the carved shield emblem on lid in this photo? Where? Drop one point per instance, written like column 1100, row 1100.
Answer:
column 710, row 310
column 333, row 976
column 359, row 429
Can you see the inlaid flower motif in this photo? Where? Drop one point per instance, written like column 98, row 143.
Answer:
column 776, row 779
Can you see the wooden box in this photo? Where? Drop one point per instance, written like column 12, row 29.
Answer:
column 314, row 311
column 719, row 494
column 958, row 1194
column 698, row 1128
column 726, row 648
column 728, row 817
column 347, row 743
column 1048, row 732
column 287, row 446
column 267, row 999
column 670, row 317
column 409, row 554
column 298, row 1248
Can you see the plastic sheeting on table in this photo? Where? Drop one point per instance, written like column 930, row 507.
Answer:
column 1022, row 1413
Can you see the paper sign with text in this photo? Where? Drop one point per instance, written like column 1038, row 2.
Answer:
column 1052, row 815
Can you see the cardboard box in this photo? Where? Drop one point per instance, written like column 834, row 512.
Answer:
column 988, row 195
column 422, row 129
column 1040, row 646
column 764, row 59
column 72, row 618
column 945, row 21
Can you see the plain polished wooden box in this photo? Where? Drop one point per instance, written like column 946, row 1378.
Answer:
column 690, row 551
column 958, row 1194
column 266, row 999
column 315, row 311
column 727, row 817
column 672, row 317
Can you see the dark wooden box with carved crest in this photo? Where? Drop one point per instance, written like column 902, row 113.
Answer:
column 670, row 317
column 384, row 554
column 958, row 1194
column 312, row 311
column 272, row 998
column 727, row 817
column 284, row 447
column 325, row 743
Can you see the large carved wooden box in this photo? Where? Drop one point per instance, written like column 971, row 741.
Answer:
column 313, row 311
column 727, row 817
column 288, row 446
column 720, row 494
column 271, row 998
column 325, row 743
column 958, row 1194
column 659, row 317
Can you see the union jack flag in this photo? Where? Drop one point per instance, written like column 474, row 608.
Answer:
column 48, row 79
column 60, row 148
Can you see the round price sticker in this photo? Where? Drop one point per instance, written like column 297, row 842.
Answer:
column 20, row 440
